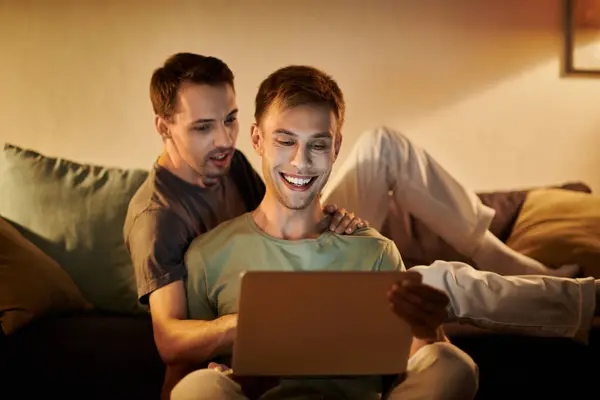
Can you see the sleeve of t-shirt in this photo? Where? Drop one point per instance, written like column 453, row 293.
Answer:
column 390, row 259
column 156, row 244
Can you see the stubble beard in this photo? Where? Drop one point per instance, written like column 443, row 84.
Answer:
column 287, row 203
column 203, row 171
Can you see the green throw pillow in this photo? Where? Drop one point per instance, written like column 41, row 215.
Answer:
column 75, row 213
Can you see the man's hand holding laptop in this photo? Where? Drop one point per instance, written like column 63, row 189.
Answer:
column 422, row 306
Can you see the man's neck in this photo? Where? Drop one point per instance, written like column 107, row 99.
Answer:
column 183, row 171
column 281, row 222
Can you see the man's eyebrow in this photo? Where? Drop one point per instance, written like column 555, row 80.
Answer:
column 205, row 120
column 316, row 135
column 202, row 121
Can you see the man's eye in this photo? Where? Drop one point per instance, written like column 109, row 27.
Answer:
column 202, row 128
column 286, row 142
column 231, row 120
column 320, row 146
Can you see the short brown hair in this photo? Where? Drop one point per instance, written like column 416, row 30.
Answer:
column 183, row 68
column 298, row 85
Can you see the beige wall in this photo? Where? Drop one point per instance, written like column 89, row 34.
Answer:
column 476, row 82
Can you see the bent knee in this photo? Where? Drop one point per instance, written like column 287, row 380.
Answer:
column 459, row 374
column 381, row 135
column 205, row 384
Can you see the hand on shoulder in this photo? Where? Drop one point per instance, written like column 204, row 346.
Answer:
column 342, row 221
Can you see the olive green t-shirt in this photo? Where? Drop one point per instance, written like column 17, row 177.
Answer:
column 216, row 259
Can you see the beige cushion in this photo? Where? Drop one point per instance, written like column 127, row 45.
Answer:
column 559, row 227
column 31, row 283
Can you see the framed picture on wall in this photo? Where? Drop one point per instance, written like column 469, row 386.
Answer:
column 582, row 37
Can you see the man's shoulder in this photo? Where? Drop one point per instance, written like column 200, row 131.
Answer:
column 157, row 201
column 140, row 202
column 145, row 198
column 147, row 213
column 220, row 236
column 370, row 235
column 370, row 241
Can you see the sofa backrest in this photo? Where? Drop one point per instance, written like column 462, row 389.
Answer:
column 74, row 213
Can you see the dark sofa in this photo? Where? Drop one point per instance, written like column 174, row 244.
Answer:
column 99, row 355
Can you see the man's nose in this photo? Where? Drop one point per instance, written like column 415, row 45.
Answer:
column 301, row 159
column 223, row 136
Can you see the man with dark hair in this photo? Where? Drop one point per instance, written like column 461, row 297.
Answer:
column 297, row 133
column 185, row 68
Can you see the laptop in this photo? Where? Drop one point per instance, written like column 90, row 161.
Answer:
column 319, row 323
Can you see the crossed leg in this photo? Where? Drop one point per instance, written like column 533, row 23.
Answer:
column 384, row 161
column 439, row 371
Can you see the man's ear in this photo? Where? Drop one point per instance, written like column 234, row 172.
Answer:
column 256, row 138
column 162, row 127
column 337, row 145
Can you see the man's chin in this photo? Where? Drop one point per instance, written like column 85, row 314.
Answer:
column 211, row 178
column 296, row 207
column 216, row 173
column 300, row 204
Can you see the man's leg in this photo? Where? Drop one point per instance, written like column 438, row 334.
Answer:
column 207, row 384
column 438, row 371
column 384, row 161
column 534, row 305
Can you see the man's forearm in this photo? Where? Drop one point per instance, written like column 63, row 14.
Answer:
column 194, row 341
column 548, row 306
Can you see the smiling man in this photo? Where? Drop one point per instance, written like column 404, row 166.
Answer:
column 297, row 133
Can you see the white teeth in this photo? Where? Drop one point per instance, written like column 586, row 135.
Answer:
column 297, row 181
column 220, row 157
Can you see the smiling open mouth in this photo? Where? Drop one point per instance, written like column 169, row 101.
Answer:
column 296, row 182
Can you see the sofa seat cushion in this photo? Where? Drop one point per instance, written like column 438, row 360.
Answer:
column 74, row 213
column 525, row 367
column 86, row 356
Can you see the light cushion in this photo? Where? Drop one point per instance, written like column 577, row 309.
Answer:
column 558, row 227
column 74, row 213
column 32, row 285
